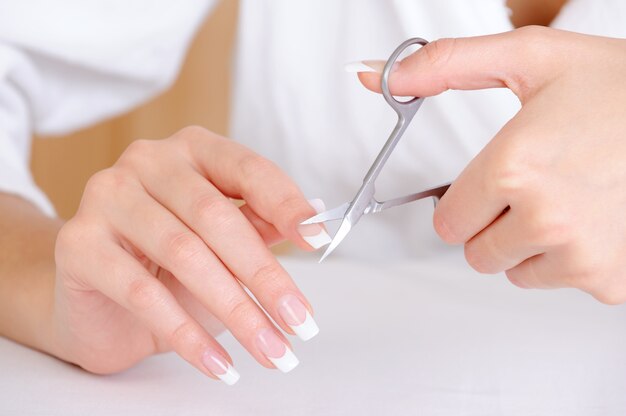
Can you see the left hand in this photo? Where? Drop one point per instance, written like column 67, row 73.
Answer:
column 545, row 200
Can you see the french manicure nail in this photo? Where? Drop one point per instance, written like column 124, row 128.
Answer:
column 358, row 66
column 318, row 205
column 216, row 364
column 368, row 66
column 314, row 234
column 276, row 351
column 297, row 316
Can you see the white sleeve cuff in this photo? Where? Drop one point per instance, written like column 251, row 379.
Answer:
column 15, row 178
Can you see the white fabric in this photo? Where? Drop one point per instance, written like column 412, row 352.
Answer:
column 426, row 338
column 65, row 65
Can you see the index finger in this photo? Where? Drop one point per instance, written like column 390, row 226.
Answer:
column 238, row 172
column 522, row 60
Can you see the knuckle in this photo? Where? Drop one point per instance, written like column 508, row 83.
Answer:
column 78, row 237
column 69, row 235
column 213, row 209
column 240, row 310
column 185, row 335
column 530, row 41
column 580, row 274
column 539, row 45
column 70, row 239
column 516, row 279
column 547, row 228
column 192, row 132
column 183, row 248
column 144, row 294
column 100, row 186
column 476, row 258
column 442, row 228
column 594, row 277
column 531, row 34
column 270, row 277
column 138, row 152
column 252, row 165
column 290, row 208
column 608, row 292
column 510, row 176
column 611, row 298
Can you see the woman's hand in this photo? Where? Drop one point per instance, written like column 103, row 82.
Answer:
column 158, row 256
column 545, row 200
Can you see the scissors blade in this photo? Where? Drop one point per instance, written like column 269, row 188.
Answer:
column 329, row 215
column 356, row 209
column 342, row 232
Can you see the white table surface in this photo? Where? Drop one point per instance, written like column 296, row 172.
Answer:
column 423, row 339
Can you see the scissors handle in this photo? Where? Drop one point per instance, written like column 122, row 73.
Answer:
column 405, row 109
column 400, row 106
column 436, row 193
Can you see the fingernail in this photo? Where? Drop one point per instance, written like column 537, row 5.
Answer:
column 297, row 316
column 276, row 351
column 318, row 205
column 368, row 66
column 314, row 234
column 220, row 367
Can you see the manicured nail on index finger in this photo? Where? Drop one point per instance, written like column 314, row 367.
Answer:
column 297, row 316
column 315, row 234
column 318, row 205
column 359, row 66
column 276, row 350
column 220, row 367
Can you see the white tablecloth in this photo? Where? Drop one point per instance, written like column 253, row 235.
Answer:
column 423, row 339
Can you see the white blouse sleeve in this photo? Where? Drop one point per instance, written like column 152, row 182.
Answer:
column 68, row 64
column 594, row 17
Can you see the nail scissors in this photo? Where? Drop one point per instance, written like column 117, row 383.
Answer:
column 365, row 202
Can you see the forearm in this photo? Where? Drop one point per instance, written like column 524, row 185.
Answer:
column 27, row 272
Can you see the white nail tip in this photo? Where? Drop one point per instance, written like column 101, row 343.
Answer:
column 230, row 377
column 318, row 205
column 318, row 240
column 287, row 362
column 307, row 329
column 358, row 67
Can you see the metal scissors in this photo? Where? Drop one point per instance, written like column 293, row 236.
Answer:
column 365, row 202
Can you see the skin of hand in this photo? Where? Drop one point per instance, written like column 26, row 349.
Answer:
column 157, row 257
column 544, row 201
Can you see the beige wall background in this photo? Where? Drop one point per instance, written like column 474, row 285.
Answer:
column 62, row 165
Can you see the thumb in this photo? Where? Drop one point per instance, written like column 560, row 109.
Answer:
column 523, row 60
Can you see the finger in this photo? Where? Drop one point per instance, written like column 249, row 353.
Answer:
column 569, row 267
column 164, row 239
column 239, row 172
column 267, row 231
column 117, row 274
column 504, row 244
column 515, row 60
column 475, row 199
column 538, row 272
column 206, row 211
column 190, row 303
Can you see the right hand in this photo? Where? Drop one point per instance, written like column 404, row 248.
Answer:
column 157, row 254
